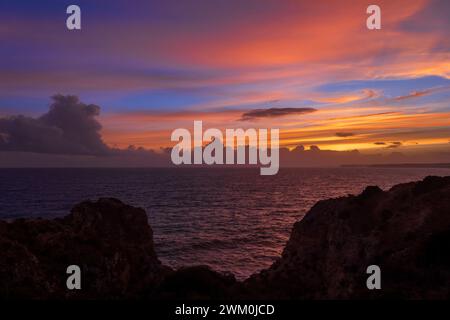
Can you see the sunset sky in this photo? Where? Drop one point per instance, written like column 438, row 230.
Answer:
column 154, row 66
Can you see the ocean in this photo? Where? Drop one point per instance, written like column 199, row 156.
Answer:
column 232, row 219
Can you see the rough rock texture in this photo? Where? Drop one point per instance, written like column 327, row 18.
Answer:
column 405, row 231
column 110, row 241
column 198, row 283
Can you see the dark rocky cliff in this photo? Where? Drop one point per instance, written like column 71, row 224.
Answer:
column 405, row 231
column 110, row 241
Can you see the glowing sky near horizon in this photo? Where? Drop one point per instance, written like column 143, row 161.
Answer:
column 154, row 66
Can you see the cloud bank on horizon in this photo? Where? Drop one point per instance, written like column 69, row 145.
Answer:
column 311, row 69
column 69, row 135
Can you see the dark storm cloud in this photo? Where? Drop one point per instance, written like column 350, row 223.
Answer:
column 274, row 112
column 69, row 127
column 380, row 143
column 344, row 134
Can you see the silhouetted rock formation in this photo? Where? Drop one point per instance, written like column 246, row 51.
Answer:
column 110, row 241
column 405, row 231
column 198, row 282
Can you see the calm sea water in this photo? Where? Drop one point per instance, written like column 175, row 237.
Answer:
column 230, row 219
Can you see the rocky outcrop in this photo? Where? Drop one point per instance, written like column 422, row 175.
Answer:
column 110, row 241
column 198, row 283
column 405, row 231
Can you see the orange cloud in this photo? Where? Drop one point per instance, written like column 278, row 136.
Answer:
column 321, row 128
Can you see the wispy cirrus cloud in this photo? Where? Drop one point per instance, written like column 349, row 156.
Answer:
column 422, row 93
column 413, row 94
